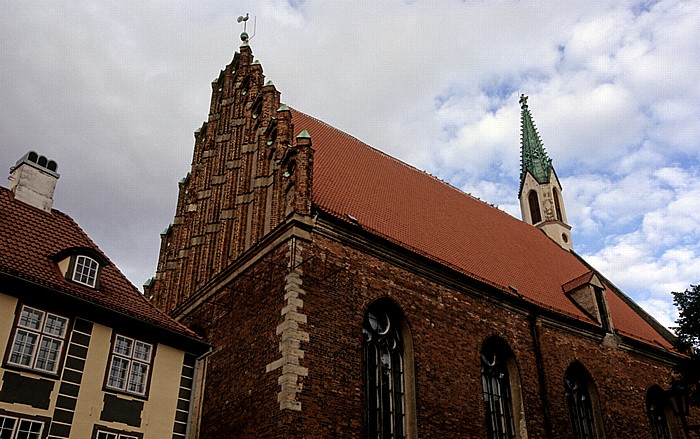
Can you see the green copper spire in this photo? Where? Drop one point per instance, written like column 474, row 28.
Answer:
column 533, row 157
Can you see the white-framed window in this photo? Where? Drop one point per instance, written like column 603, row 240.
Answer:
column 85, row 271
column 110, row 435
column 18, row 428
column 129, row 365
column 38, row 340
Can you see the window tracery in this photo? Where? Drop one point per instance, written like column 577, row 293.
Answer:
column 384, row 375
column 497, row 395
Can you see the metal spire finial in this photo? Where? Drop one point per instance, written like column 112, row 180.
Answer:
column 244, row 34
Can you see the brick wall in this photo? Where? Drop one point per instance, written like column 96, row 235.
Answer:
column 448, row 329
column 448, row 325
column 240, row 398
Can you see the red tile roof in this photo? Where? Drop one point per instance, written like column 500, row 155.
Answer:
column 30, row 237
column 423, row 214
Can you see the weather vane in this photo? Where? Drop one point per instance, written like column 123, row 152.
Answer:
column 244, row 35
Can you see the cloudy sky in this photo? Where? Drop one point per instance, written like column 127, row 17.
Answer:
column 114, row 90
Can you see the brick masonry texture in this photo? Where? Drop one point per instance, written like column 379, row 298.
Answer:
column 280, row 288
column 448, row 328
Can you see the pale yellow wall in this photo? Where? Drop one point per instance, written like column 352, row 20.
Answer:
column 63, row 266
column 158, row 413
column 8, row 305
column 549, row 224
column 89, row 406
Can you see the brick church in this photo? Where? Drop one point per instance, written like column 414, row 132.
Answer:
column 350, row 295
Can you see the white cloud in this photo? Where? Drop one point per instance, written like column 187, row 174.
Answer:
column 662, row 253
column 113, row 92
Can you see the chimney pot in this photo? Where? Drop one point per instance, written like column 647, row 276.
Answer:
column 33, row 180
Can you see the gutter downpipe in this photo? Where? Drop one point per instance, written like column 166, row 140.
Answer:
column 196, row 399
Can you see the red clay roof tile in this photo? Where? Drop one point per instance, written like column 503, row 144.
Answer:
column 30, row 237
column 423, row 214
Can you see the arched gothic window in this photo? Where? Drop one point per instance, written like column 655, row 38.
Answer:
column 499, row 379
column 389, row 387
column 582, row 402
column 657, row 410
column 557, row 204
column 534, row 202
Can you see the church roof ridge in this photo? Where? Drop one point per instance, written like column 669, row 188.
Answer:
column 394, row 159
column 429, row 217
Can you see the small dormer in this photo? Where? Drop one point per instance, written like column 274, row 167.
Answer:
column 82, row 265
column 587, row 292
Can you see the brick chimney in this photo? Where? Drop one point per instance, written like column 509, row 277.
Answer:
column 33, row 180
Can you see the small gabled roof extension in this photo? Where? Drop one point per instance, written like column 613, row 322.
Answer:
column 30, row 242
column 410, row 208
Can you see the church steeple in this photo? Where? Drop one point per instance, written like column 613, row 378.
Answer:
column 533, row 157
column 541, row 202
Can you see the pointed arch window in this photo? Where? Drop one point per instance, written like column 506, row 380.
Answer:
column 582, row 401
column 534, row 202
column 501, row 390
column 658, row 411
column 388, row 373
column 557, row 204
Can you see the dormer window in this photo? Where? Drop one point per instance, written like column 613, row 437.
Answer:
column 85, row 271
column 81, row 265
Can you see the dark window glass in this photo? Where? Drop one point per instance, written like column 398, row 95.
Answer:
column 38, row 340
column 534, row 202
column 129, row 365
column 498, row 402
column 18, row 428
column 656, row 409
column 384, row 375
column 557, row 204
column 578, row 398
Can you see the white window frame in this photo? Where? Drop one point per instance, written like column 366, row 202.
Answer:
column 129, row 365
column 20, row 425
column 101, row 434
column 37, row 344
column 85, row 271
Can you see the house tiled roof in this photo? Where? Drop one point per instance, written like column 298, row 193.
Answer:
column 31, row 237
column 427, row 216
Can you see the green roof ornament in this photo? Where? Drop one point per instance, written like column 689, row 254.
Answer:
column 533, row 156
column 304, row 135
column 284, row 107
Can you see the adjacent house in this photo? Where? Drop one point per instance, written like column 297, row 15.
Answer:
column 84, row 354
